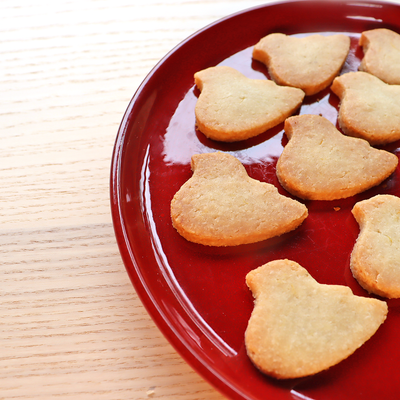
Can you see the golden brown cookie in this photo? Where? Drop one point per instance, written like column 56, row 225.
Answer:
column 299, row 327
column 375, row 259
column 320, row 163
column 369, row 108
column 381, row 54
column 309, row 63
column 220, row 205
column 232, row 107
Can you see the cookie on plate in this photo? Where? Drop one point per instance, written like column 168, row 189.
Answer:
column 309, row 63
column 232, row 107
column 320, row 163
column 220, row 205
column 369, row 108
column 375, row 259
column 381, row 54
column 300, row 327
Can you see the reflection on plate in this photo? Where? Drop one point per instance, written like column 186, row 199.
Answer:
column 197, row 295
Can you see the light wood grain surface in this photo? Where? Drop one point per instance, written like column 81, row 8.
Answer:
column 71, row 324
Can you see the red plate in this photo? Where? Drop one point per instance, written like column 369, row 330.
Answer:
column 197, row 295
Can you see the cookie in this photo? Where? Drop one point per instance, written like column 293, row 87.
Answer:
column 375, row 259
column 320, row 163
column 220, row 205
column 381, row 54
column 309, row 63
column 369, row 108
column 232, row 107
column 300, row 327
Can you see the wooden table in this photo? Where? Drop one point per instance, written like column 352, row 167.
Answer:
column 71, row 324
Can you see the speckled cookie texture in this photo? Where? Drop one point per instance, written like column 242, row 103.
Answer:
column 381, row 54
column 232, row 107
column 369, row 108
column 375, row 259
column 309, row 63
column 220, row 205
column 320, row 163
column 299, row 327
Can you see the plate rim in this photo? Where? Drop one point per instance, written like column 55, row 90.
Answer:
column 211, row 375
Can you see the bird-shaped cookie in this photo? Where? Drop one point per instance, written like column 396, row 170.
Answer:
column 320, row 163
column 369, row 108
column 232, row 107
column 300, row 327
column 309, row 63
column 220, row 205
column 375, row 259
column 381, row 54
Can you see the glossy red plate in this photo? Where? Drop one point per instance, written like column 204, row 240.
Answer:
column 197, row 295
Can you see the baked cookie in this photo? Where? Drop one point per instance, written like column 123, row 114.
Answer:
column 309, row 63
column 232, row 107
column 381, row 54
column 369, row 108
column 220, row 205
column 320, row 163
column 299, row 327
column 375, row 259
